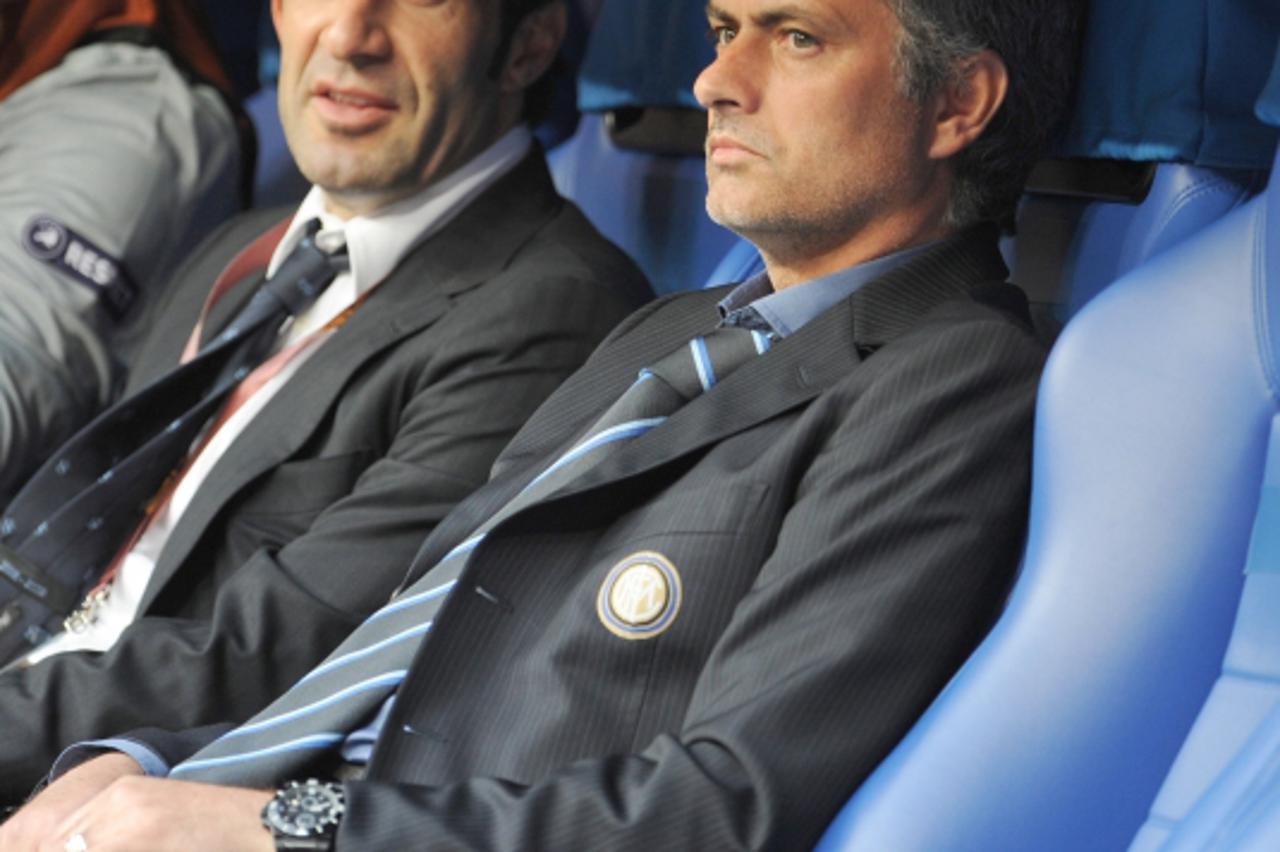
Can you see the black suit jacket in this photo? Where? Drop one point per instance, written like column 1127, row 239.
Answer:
column 844, row 512
column 306, row 523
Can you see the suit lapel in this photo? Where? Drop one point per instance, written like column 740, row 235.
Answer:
column 803, row 365
column 795, row 371
column 896, row 301
column 468, row 251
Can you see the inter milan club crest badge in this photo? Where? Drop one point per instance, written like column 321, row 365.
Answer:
column 641, row 596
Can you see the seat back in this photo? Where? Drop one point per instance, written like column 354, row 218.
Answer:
column 739, row 263
column 1153, row 420
column 1223, row 786
column 635, row 165
column 276, row 179
column 1152, row 424
column 1223, row 789
column 1155, row 413
column 1083, row 224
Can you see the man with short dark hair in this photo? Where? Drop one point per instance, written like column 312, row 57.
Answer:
column 722, row 570
column 469, row 291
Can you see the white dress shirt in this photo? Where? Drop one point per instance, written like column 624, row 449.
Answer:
column 375, row 245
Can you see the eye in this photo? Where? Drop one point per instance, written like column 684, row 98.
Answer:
column 801, row 40
column 720, row 35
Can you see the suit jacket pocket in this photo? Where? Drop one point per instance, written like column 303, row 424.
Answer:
column 305, row 486
column 620, row 628
column 722, row 507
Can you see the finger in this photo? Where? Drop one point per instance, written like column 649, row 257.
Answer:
column 76, row 842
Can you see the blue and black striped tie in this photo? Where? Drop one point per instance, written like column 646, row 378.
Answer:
column 342, row 693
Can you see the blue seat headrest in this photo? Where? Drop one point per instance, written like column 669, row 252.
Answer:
column 1175, row 80
column 644, row 53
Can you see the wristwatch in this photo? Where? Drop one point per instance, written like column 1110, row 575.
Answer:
column 304, row 815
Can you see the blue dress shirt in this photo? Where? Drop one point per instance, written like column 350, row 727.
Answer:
column 787, row 311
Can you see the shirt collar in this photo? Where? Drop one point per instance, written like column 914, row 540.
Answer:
column 787, row 311
column 376, row 243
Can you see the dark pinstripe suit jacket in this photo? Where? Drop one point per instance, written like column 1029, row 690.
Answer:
column 305, row 524
column 844, row 514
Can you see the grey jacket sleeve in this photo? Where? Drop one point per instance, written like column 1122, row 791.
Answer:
column 112, row 160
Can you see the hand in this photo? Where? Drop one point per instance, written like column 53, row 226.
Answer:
column 40, row 819
column 158, row 815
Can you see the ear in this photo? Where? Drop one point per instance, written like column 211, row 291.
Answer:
column 533, row 46
column 966, row 105
column 275, row 15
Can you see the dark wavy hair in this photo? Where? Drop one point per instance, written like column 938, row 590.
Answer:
column 1039, row 41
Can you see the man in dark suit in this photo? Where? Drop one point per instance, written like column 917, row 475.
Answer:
column 474, row 290
column 692, row 610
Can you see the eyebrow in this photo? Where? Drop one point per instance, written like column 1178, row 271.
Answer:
column 770, row 18
column 712, row 10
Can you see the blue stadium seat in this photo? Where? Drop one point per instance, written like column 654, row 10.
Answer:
column 635, row 164
column 1223, row 789
column 1241, row 811
column 276, row 179
column 1152, row 425
column 1155, row 415
column 739, row 263
column 1074, row 239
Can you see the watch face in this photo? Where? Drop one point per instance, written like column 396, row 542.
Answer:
column 305, row 809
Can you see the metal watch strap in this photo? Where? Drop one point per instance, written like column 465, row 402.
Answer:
column 317, row 805
column 285, row 843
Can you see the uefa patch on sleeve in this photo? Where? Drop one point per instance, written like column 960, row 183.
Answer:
column 49, row 241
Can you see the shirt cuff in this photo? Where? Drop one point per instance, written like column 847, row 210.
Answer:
column 152, row 764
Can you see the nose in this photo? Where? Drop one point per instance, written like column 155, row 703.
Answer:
column 731, row 81
column 356, row 31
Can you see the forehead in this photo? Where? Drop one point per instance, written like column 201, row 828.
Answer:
column 835, row 22
column 488, row 8
column 848, row 11
column 413, row 20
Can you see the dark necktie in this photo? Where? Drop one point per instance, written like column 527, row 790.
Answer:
column 341, row 693
column 74, row 514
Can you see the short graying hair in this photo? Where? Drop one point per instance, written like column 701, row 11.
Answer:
column 1039, row 43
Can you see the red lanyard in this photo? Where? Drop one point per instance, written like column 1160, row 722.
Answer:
column 251, row 259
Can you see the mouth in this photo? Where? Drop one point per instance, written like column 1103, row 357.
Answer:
column 724, row 150
column 349, row 108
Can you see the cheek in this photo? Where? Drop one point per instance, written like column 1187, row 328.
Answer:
column 817, row 138
column 430, row 91
column 291, row 84
column 818, row 114
column 298, row 39
column 870, row 129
